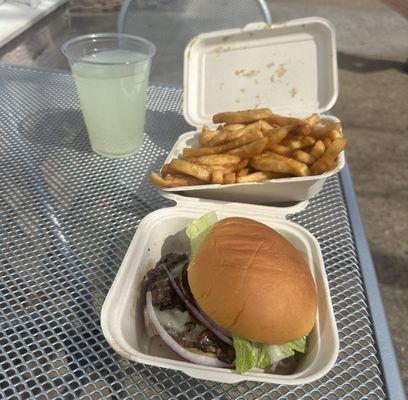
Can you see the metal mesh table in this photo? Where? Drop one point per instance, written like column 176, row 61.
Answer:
column 67, row 218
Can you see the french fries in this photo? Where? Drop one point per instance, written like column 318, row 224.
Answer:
column 216, row 159
column 251, row 149
column 254, row 146
column 280, row 164
column 242, row 117
column 188, row 168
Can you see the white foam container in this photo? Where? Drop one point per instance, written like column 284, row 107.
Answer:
column 162, row 231
column 289, row 67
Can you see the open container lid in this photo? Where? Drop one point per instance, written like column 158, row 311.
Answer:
column 289, row 67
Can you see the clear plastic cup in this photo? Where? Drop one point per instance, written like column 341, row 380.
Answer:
column 111, row 73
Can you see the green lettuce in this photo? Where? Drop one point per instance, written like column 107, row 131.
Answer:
column 250, row 354
column 198, row 229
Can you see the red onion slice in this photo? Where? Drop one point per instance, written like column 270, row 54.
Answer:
column 180, row 350
column 196, row 312
column 213, row 323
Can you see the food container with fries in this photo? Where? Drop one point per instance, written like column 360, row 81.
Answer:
column 233, row 158
column 256, row 96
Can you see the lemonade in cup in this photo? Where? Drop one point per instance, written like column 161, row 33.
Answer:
column 111, row 73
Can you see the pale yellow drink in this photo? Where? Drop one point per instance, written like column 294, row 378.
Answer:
column 113, row 99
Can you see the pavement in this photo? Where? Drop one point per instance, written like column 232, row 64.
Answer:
column 372, row 42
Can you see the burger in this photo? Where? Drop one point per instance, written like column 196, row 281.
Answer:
column 243, row 298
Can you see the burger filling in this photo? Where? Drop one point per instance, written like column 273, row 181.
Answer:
column 188, row 328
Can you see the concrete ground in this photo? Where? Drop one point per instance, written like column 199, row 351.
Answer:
column 373, row 73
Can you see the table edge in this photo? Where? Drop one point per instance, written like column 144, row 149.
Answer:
column 389, row 364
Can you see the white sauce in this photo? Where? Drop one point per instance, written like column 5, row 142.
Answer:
column 173, row 319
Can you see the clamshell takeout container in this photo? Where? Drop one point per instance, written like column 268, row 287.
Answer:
column 289, row 67
column 163, row 230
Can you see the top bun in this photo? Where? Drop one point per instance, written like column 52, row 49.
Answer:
column 249, row 279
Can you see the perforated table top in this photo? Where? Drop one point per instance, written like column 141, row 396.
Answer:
column 67, row 218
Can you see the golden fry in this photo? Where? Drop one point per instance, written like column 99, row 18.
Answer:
column 317, row 149
column 334, row 134
column 206, row 135
column 282, row 120
column 308, row 141
column 167, row 170
column 233, row 127
column 230, row 178
column 242, row 172
column 276, row 136
column 216, row 159
column 243, row 164
column 281, row 164
column 292, row 143
column 265, row 126
column 313, row 119
column 225, row 136
column 202, row 151
column 303, row 157
column 322, row 131
column 192, row 169
column 242, row 117
column 259, row 176
column 225, row 169
column 279, row 149
column 250, row 149
column 327, row 142
column 174, row 180
column 328, row 160
column 217, row 177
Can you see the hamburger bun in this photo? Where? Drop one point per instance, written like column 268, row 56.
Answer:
column 249, row 279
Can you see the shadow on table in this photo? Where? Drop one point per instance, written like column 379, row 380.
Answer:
column 66, row 129
column 391, row 269
column 57, row 128
column 163, row 128
column 361, row 64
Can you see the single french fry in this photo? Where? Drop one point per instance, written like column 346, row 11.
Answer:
column 334, row 134
column 313, row 119
column 250, row 149
column 292, row 143
column 203, row 151
column 243, row 164
column 328, row 160
column 327, row 142
column 277, row 163
column 282, row 120
column 303, row 157
column 242, row 172
column 233, row 127
column 225, row 136
column 216, row 159
column 192, row 169
column 259, row 176
column 242, row 117
column 317, row 149
column 174, row 180
column 279, row 149
column 302, row 129
column 167, row 170
column 265, row 126
column 230, row 178
column 225, row 169
column 206, row 135
column 217, row 177
column 276, row 136
column 320, row 132
column 308, row 141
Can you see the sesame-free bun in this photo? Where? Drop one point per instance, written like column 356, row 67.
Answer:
column 249, row 279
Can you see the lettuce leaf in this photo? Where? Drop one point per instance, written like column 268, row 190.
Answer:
column 198, row 229
column 250, row 354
